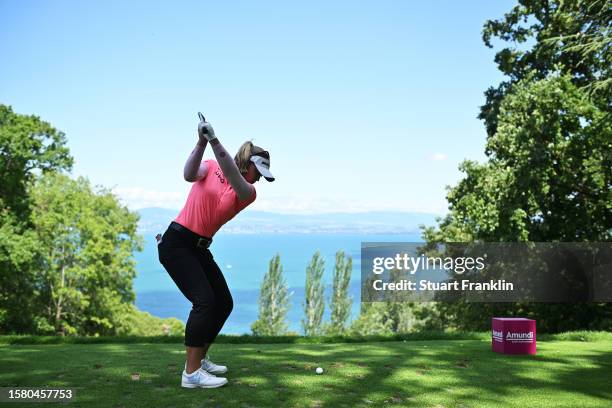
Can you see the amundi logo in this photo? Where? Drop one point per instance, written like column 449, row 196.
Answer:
column 519, row 337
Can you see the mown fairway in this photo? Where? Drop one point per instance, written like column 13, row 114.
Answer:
column 440, row 373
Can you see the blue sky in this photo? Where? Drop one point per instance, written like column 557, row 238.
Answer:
column 363, row 105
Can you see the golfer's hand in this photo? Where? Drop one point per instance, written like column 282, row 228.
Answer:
column 206, row 132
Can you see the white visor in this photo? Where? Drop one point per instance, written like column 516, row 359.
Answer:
column 263, row 166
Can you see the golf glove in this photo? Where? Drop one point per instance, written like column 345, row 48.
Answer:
column 206, row 131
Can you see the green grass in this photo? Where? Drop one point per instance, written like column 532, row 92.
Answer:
column 435, row 373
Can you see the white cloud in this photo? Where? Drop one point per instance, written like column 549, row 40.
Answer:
column 312, row 205
column 137, row 197
column 438, row 157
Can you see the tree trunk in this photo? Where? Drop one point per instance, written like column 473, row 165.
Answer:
column 58, row 308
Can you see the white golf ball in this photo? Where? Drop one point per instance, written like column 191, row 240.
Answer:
column 319, row 370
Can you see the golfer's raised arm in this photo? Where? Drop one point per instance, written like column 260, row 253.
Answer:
column 243, row 188
column 194, row 168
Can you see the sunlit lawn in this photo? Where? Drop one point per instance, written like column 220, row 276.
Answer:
column 442, row 373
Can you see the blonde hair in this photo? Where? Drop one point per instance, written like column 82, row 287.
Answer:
column 244, row 154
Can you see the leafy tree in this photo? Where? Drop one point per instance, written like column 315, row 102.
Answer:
column 373, row 319
column 134, row 322
column 273, row 302
column 549, row 180
column 382, row 318
column 65, row 250
column 549, row 173
column 543, row 37
column 392, row 315
column 314, row 302
column 87, row 240
column 340, row 303
column 400, row 313
column 28, row 146
column 548, row 177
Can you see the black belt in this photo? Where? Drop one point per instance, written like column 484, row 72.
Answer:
column 196, row 239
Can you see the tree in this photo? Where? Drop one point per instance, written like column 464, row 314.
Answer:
column 548, row 176
column 373, row 319
column 391, row 313
column 273, row 302
column 314, row 302
column 87, row 240
column 548, row 180
column 568, row 37
column 340, row 303
column 135, row 322
column 28, row 146
column 549, row 173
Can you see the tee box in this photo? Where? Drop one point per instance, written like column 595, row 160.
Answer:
column 513, row 335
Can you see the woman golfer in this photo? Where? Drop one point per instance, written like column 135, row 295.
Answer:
column 221, row 189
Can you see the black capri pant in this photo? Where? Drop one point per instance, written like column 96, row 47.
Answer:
column 199, row 278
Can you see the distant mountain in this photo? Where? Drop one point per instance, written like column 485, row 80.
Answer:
column 155, row 219
column 375, row 222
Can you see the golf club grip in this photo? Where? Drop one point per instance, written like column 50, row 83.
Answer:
column 202, row 119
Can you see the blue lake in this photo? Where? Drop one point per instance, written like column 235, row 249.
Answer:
column 244, row 260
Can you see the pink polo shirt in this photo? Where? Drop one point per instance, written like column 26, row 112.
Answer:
column 211, row 203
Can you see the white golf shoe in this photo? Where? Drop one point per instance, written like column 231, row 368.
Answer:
column 201, row 379
column 212, row 367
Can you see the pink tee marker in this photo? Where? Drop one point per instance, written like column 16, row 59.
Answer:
column 513, row 335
